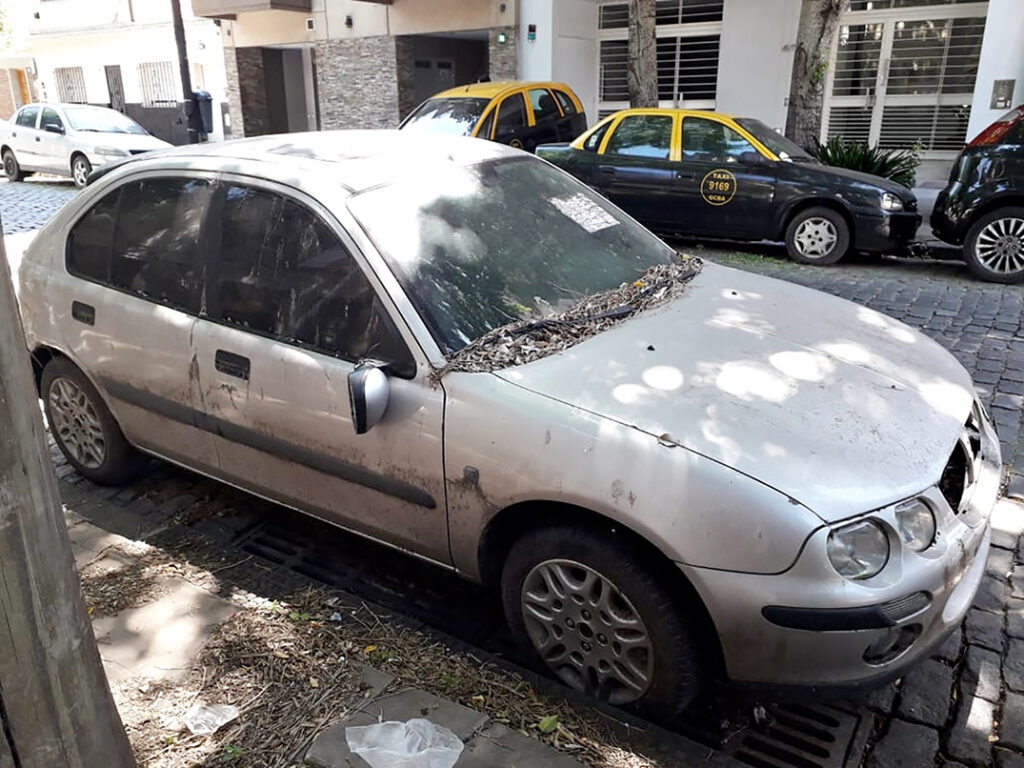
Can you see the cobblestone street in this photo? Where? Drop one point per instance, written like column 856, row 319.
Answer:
column 964, row 707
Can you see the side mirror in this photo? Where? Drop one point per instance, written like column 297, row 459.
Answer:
column 54, row 128
column 753, row 158
column 368, row 392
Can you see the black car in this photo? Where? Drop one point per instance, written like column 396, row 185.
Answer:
column 982, row 207
column 709, row 175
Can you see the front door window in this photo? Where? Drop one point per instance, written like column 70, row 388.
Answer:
column 642, row 136
column 708, row 141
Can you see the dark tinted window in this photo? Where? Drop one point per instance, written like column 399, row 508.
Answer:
column 711, row 141
column 156, row 242
column 567, row 106
column 283, row 273
column 544, row 106
column 27, row 117
column 642, row 136
column 88, row 253
column 487, row 125
column 50, row 117
column 511, row 116
column 593, row 141
column 1014, row 136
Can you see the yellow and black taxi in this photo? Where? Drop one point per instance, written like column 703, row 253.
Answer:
column 711, row 175
column 520, row 114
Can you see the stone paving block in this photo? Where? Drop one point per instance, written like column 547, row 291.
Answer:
column 1015, row 618
column 1000, row 563
column 90, row 537
column 985, row 629
column 951, row 647
column 906, row 745
column 1013, row 665
column 1011, row 722
column 881, row 698
column 1017, row 581
column 968, row 739
column 925, row 695
column 991, row 594
column 1007, row 759
column 981, row 674
column 500, row 747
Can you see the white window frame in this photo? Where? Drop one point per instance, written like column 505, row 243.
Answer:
column 880, row 98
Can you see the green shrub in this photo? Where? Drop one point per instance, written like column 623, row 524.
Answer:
column 898, row 165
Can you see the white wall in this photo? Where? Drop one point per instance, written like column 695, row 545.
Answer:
column 566, row 46
column 755, row 62
column 1002, row 58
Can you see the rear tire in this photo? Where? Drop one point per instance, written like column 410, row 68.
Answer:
column 817, row 235
column 994, row 246
column 11, row 168
column 589, row 607
column 80, row 170
column 83, row 427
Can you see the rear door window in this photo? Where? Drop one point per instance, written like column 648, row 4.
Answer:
column 283, row 273
column 156, row 251
column 566, row 102
column 27, row 117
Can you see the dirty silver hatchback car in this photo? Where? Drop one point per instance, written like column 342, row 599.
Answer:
column 749, row 477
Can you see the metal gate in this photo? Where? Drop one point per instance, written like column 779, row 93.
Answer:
column 115, row 87
column 904, row 76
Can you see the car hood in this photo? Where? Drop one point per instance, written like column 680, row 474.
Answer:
column 835, row 405
column 831, row 171
column 127, row 141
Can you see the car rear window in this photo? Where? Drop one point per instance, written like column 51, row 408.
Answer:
column 455, row 117
column 567, row 106
column 88, row 252
column 27, row 117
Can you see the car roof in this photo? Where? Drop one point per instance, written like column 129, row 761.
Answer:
column 672, row 111
column 355, row 160
column 491, row 90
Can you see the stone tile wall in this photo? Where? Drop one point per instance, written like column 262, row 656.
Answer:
column 357, row 83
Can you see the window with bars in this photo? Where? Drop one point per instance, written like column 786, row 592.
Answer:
column 70, row 82
column 935, row 56
column 616, row 15
column 852, row 123
column 880, row 5
column 932, row 127
column 856, row 67
column 158, row 84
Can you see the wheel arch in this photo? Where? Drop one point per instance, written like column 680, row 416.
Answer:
column 6, row 148
column 77, row 153
column 804, row 204
column 508, row 525
column 41, row 357
column 1010, row 200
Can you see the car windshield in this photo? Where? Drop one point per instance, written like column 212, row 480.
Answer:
column 775, row 141
column 503, row 241
column 456, row 117
column 101, row 120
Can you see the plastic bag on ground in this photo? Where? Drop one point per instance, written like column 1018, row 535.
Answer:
column 416, row 744
column 203, row 720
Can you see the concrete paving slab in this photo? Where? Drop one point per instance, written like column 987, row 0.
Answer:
column 159, row 640
column 498, row 746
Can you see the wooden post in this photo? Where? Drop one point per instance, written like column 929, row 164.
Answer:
column 55, row 704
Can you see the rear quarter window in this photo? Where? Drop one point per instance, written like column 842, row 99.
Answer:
column 88, row 247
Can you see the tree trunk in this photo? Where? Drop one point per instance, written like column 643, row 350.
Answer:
column 642, row 72
column 55, row 705
column 819, row 20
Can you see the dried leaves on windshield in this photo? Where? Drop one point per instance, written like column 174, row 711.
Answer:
column 525, row 341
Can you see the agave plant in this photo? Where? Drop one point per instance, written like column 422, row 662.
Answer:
column 895, row 164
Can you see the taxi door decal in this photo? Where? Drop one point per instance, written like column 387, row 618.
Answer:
column 718, row 187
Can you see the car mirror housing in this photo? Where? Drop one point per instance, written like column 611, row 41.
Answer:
column 54, row 128
column 368, row 393
column 753, row 158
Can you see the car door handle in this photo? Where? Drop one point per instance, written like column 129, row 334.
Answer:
column 686, row 175
column 83, row 313
column 38, row 139
column 231, row 364
column 606, row 171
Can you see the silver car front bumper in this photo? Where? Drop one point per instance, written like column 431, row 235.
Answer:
column 809, row 626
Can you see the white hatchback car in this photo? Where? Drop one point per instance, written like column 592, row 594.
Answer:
column 668, row 470
column 70, row 140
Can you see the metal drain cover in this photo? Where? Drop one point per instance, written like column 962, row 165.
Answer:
column 795, row 736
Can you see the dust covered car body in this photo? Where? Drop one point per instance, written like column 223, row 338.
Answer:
column 661, row 465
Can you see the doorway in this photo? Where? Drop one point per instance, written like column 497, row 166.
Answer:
column 289, row 79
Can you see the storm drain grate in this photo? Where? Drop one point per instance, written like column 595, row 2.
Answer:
column 795, row 736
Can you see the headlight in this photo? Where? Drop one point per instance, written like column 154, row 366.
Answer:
column 111, row 152
column 916, row 522
column 891, row 203
column 858, row 551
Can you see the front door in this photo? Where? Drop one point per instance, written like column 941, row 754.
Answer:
column 636, row 170
column 132, row 314
column 726, row 188
column 115, row 87
column 53, row 144
column 547, row 118
column 291, row 312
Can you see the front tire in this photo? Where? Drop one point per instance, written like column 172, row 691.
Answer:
column 80, row 170
column 589, row 607
column 11, row 168
column 84, row 428
column 994, row 246
column 817, row 236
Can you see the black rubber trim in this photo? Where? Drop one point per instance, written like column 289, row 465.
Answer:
column 828, row 619
column 282, row 449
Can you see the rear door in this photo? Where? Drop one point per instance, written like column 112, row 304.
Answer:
column 54, row 151
column 512, row 121
column 574, row 121
column 547, row 118
column 24, row 137
column 291, row 313
column 726, row 188
column 130, row 319
column 636, row 170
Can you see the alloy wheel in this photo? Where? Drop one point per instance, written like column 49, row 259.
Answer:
column 587, row 631
column 816, row 237
column 1000, row 246
column 10, row 167
column 76, row 424
column 80, row 172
